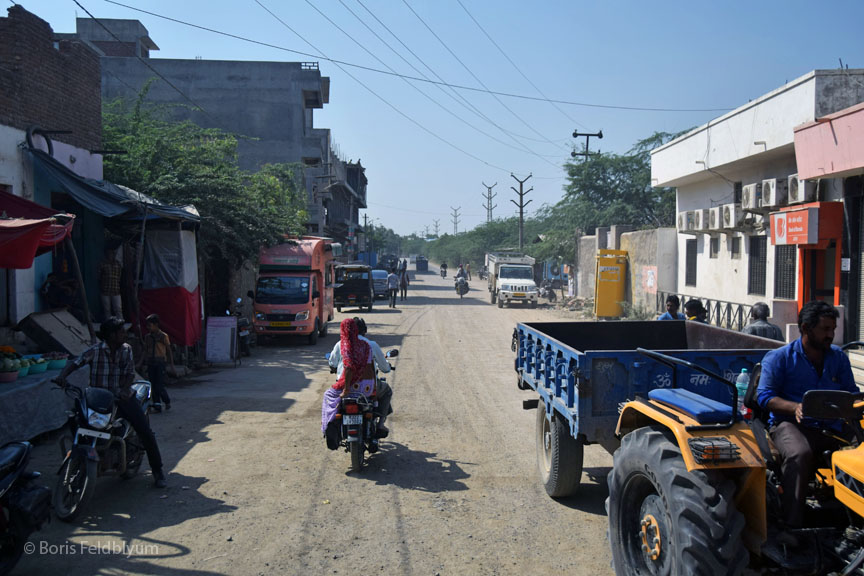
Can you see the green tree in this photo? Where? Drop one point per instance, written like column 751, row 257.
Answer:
column 180, row 163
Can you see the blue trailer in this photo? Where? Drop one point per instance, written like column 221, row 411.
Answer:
column 583, row 372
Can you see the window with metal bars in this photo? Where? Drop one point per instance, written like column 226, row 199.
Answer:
column 757, row 265
column 785, row 265
column 690, row 264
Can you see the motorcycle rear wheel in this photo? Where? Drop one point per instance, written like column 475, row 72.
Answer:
column 74, row 487
column 356, row 456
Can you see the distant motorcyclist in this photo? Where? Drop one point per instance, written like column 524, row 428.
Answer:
column 460, row 273
column 443, row 269
column 384, row 393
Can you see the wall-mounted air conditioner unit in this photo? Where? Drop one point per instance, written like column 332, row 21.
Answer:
column 801, row 191
column 701, row 220
column 751, row 196
column 685, row 222
column 715, row 218
column 774, row 192
column 733, row 216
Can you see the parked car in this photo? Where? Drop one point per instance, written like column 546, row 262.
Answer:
column 379, row 283
column 353, row 287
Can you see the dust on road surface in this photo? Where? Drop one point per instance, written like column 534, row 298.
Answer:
column 253, row 489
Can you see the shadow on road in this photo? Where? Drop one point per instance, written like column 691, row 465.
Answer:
column 591, row 497
column 398, row 465
column 111, row 530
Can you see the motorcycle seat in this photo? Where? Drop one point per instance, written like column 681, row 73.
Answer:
column 11, row 456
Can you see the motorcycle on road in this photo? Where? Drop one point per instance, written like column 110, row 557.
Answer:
column 102, row 444
column 24, row 505
column 547, row 291
column 357, row 421
column 461, row 286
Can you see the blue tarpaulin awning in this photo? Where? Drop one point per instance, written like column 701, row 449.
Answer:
column 105, row 198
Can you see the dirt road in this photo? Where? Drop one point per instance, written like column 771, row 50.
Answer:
column 253, row 489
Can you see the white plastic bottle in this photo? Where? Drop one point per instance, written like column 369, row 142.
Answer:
column 742, row 383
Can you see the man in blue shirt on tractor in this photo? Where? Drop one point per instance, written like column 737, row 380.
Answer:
column 809, row 363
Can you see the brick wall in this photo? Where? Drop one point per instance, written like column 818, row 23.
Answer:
column 55, row 88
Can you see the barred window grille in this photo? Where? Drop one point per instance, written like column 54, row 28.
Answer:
column 785, row 268
column 757, row 265
column 735, row 249
column 690, row 265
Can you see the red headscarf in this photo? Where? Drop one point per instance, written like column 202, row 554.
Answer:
column 355, row 353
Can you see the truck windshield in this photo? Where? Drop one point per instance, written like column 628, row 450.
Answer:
column 517, row 272
column 282, row 290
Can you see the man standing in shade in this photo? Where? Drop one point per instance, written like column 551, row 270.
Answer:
column 759, row 325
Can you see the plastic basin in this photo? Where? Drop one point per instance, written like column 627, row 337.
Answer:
column 56, row 364
column 38, row 368
column 8, row 376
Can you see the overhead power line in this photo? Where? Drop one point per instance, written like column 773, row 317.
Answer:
column 147, row 64
column 503, row 53
column 384, row 100
column 387, row 73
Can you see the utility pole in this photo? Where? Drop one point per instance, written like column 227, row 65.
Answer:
column 435, row 223
column 585, row 153
column 455, row 215
column 489, row 195
column 521, row 204
column 426, row 232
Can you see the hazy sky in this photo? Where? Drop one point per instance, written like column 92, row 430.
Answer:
column 427, row 149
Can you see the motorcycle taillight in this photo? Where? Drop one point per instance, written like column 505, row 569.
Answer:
column 352, row 409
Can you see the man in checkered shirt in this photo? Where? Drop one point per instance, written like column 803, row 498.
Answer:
column 113, row 368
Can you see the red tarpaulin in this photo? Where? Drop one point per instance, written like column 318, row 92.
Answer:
column 28, row 229
column 179, row 312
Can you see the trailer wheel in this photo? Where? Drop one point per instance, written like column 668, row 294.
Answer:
column 664, row 520
column 559, row 455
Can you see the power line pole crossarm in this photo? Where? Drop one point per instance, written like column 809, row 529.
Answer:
column 489, row 196
column 521, row 205
column 455, row 215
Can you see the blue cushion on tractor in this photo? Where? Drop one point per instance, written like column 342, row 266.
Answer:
column 702, row 409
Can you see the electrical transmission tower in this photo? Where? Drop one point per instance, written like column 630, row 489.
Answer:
column 435, row 223
column 521, row 204
column 455, row 216
column 489, row 196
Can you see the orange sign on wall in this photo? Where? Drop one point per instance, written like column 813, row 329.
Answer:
column 795, row 227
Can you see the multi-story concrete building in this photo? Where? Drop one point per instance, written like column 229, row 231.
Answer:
column 750, row 227
column 269, row 105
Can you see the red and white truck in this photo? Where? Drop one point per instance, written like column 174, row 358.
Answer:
column 294, row 288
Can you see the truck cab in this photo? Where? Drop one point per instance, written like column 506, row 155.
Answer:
column 294, row 288
column 511, row 279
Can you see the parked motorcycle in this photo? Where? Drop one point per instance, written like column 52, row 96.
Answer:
column 359, row 422
column 244, row 328
column 461, row 285
column 24, row 505
column 547, row 290
column 102, row 444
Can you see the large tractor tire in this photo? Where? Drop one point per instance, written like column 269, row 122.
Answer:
column 666, row 521
column 559, row 455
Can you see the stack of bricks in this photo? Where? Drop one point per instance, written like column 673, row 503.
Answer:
column 53, row 84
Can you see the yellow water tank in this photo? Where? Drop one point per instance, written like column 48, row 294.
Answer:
column 610, row 283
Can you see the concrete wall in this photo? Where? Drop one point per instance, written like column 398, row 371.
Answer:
column 262, row 101
column 761, row 128
column 652, row 264
column 586, row 267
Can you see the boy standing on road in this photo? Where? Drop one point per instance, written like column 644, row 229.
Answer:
column 157, row 354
